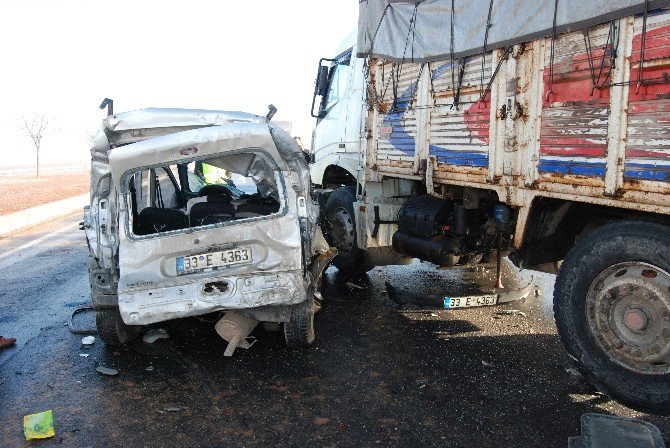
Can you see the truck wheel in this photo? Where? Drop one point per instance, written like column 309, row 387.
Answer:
column 111, row 328
column 299, row 330
column 342, row 232
column 612, row 310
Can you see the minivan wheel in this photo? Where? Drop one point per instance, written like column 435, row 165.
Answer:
column 111, row 328
column 339, row 212
column 612, row 310
column 299, row 330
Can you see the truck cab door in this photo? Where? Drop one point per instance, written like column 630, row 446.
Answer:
column 333, row 109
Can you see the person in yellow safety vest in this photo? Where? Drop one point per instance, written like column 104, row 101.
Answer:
column 214, row 175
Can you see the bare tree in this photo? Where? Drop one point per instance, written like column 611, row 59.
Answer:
column 37, row 127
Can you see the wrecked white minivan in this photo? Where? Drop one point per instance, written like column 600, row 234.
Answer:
column 194, row 212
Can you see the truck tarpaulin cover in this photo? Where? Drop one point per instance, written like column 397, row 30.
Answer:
column 422, row 30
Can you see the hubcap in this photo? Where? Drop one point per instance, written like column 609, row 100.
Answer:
column 342, row 230
column 628, row 312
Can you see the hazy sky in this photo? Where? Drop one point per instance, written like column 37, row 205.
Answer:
column 62, row 57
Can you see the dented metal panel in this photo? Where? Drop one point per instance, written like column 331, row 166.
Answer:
column 575, row 115
column 460, row 120
column 395, row 94
column 648, row 137
column 281, row 245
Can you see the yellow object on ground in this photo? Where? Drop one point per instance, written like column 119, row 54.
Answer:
column 39, row 426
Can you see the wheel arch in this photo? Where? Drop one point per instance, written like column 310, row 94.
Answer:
column 554, row 226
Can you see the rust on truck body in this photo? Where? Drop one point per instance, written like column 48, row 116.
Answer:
column 597, row 131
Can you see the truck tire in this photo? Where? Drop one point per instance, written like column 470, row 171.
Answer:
column 612, row 310
column 299, row 330
column 111, row 328
column 339, row 212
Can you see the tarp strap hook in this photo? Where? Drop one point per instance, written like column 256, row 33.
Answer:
column 551, row 55
column 486, row 40
column 643, row 44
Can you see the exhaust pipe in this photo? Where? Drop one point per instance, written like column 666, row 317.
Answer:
column 234, row 328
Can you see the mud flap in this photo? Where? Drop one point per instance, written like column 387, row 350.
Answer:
column 316, row 269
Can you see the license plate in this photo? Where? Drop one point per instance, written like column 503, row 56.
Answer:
column 195, row 263
column 469, row 302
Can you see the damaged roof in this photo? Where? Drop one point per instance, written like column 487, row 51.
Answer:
column 179, row 118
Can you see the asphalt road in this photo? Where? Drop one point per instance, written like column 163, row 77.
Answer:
column 376, row 376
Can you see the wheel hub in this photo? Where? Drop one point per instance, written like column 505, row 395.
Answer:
column 342, row 230
column 636, row 320
column 628, row 312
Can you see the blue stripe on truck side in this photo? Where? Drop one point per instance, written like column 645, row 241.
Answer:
column 572, row 167
column 456, row 157
column 646, row 171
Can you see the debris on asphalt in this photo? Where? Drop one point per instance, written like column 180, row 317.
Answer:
column 88, row 340
column 599, row 430
column 354, row 285
column 235, row 328
column 39, row 426
column 511, row 313
column 107, row 371
column 83, row 355
column 576, row 375
column 321, row 420
column 175, row 409
column 150, row 369
column 6, row 342
column 487, row 364
column 155, row 334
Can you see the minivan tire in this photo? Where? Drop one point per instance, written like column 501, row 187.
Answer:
column 299, row 330
column 111, row 328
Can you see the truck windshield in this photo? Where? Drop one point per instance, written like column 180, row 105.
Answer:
column 339, row 75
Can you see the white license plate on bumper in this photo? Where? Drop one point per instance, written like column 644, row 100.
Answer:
column 471, row 301
column 200, row 262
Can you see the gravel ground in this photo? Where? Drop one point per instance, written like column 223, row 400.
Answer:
column 22, row 192
column 376, row 376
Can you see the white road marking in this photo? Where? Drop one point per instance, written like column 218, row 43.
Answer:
column 37, row 241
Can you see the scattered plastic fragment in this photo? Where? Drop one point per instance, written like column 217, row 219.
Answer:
column 107, row 370
column 511, row 313
column 88, row 340
column 576, row 375
column 487, row 364
column 155, row 334
column 83, row 355
column 354, row 285
column 150, row 369
column 39, row 426
column 6, row 342
column 175, row 409
column 599, row 430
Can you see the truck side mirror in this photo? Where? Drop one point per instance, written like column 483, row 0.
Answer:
column 321, row 81
column 320, row 85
